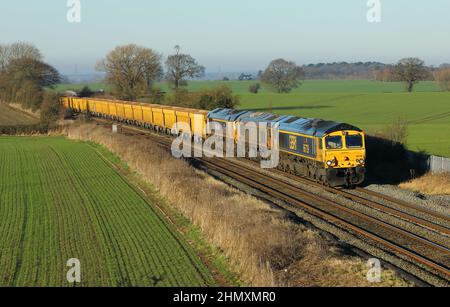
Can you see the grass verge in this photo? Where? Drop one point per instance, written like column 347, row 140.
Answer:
column 430, row 184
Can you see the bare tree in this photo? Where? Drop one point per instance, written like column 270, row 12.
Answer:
column 131, row 70
column 43, row 74
column 16, row 51
column 4, row 55
column 283, row 76
column 411, row 71
column 397, row 131
column 442, row 77
column 182, row 66
column 24, row 79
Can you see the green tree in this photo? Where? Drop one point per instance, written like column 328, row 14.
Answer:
column 221, row 97
column 181, row 67
column 283, row 76
column 254, row 88
column 411, row 71
column 86, row 92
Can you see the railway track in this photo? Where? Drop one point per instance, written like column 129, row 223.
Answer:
column 424, row 253
column 434, row 221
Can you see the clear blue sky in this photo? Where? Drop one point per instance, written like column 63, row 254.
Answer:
column 234, row 35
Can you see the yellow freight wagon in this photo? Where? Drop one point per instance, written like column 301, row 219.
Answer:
column 182, row 116
column 120, row 110
column 104, row 107
column 137, row 113
column 158, row 117
column 65, row 102
column 84, row 105
column 76, row 104
column 170, row 119
column 112, row 109
column 199, row 119
column 147, row 114
column 95, row 106
column 91, row 106
column 128, row 108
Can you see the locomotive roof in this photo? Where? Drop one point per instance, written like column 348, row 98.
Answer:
column 226, row 114
column 314, row 127
column 307, row 126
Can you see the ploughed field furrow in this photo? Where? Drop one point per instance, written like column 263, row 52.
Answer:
column 60, row 200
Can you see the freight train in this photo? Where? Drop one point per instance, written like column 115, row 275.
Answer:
column 329, row 152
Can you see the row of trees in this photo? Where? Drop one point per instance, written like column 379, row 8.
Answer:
column 132, row 70
column 413, row 70
column 342, row 70
column 283, row 76
column 442, row 77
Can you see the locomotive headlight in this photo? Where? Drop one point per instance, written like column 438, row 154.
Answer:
column 329, row 163
column 361, row 161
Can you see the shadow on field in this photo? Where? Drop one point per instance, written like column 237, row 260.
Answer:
column 391, row 163
column 289, row 108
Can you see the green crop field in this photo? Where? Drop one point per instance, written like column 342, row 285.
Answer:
column 61, row 199
column 427, row 113
column 371, row 105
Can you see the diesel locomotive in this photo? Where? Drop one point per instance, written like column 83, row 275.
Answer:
column 326, row 151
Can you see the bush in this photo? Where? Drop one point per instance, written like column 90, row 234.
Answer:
column 29, row 95
column 397, row 132
column 254, row 88
column 86, row 92
column 24, row 129
column 50, row 109
column 388, row 159
column 221, row 97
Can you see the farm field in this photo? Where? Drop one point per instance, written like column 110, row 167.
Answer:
column 61, row 199
column 12, row 117
column 371, row 105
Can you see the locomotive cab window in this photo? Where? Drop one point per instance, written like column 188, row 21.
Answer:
column 334, row 142
column 354, row 141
